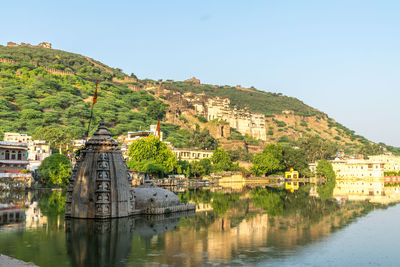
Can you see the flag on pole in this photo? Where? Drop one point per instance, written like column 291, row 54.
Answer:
column 158, row 130
column 95, row 94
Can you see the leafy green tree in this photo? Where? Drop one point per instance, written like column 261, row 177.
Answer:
column 269, row 161
column 371, row 149
column 317, row 148
column 200, row 168
column 296, row 159
column 240, row 154
column 162, row 160
column 202, row 139
column 54, row 135
column 156, row 110
column 325, row 170
column 55, row 170
column 221, row 160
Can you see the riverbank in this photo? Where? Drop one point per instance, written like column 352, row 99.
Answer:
column 6, row 261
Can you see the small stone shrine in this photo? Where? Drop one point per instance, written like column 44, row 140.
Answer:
column 100, row 185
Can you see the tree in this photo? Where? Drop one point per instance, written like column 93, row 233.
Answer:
column 325, row 170
column 55, row 170
column 240, row 154
column 371, row 149
column 156, row 110
column 269, row 161
column 162, row 159
column 202, row 139
column 296, row 159
column 55, row 136
column 200, row 168
column 318, row 149
column 221, row 160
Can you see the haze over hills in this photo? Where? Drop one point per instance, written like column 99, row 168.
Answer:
column 42, row 87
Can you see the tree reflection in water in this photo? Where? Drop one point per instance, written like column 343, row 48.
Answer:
column 243, row 228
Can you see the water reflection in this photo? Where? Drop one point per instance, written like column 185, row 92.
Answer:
column 246, row 227
column 99, row 243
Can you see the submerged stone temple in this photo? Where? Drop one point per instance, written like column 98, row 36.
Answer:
column 100, row 185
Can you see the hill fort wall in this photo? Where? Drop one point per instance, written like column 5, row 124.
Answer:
column 42, row 44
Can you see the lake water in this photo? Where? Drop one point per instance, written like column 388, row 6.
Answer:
column 260, row 227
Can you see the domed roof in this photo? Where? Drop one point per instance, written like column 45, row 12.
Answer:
column 151, row 196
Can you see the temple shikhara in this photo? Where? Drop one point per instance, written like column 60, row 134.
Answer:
column 100, row 185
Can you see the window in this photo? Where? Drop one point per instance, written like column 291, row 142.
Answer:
column 19, row 155
column 13, row 154
column 7, row 154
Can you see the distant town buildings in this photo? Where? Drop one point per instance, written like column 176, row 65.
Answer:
column 37, row 150
column 13, row 157
column 189, row 154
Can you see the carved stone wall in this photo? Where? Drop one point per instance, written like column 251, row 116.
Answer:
column 100, row 184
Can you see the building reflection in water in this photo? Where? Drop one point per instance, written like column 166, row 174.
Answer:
column 376, row 190
column 99, row 243
column 255, row 225
column 108, row 242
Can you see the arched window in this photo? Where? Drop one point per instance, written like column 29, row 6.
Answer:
column 7, row 154
column 13, row 154
column 19, row 155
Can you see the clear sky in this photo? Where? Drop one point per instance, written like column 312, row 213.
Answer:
column 341, row 57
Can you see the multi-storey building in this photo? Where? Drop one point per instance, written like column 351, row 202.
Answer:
column 17, row 137
column 244, row 121
column 37, row 150
column 355, row 168
column 13, row 157
column 392, row 163
column 191, row 154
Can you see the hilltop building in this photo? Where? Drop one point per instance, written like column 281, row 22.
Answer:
column 218, row 110
column 42, row 44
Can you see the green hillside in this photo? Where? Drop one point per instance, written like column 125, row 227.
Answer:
column 255, row 100
column 31, row 97
column 42, row 87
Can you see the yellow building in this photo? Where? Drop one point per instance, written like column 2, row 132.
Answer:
column 392, row 163
column 292, row 174
column 371, row 189
column 355, row 168
column 292, row 186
